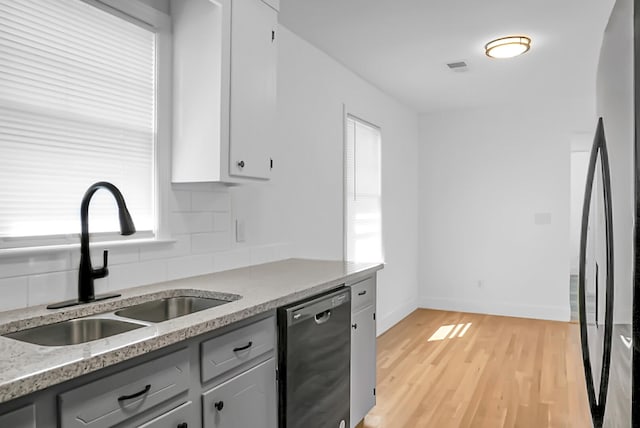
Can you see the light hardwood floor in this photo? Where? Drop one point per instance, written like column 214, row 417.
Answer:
column 485, row 371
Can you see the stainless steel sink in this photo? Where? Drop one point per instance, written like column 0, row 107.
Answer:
column 169, row 308
column 73, row 332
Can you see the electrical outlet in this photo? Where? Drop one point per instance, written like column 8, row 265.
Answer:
column 240, row 231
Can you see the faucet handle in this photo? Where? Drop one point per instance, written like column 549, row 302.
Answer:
column 103, row 271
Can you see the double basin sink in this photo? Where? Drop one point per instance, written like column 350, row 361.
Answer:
column 81, row 330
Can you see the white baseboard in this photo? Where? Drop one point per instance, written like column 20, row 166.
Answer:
column 554, row 313
column 386, row 321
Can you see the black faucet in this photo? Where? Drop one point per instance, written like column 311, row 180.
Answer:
column 87, row 273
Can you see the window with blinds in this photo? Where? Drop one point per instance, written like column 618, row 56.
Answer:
column 363, row 216
column 77, row 105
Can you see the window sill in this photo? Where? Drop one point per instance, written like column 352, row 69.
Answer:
column 49, row 249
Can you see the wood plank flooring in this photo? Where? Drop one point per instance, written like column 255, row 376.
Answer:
column 449, row 369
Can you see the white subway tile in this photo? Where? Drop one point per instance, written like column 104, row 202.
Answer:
column 181, row 247
column 264, row 254
column 221, row 222
column 14, row 293
column 56, row 287
column 29, row 265
column 285, row 251
column 184, row 267
column 117, row 256
column 210, row 242
column 226, row 260
column 191, row 222
column 135, row 274
column 180, row 201
column 210, row 201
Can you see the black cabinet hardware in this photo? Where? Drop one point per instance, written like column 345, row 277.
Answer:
column 243, row 348
column 354, row 326
column 219, row 405
column 182, row 425
column 241, row 164
column 136, row 395
column 362, row 293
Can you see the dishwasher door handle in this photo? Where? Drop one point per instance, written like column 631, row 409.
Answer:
column 323, row 317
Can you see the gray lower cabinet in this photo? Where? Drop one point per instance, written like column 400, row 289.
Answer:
column 113, row 399
column 247, row 400
column 181, row 417
column 363, row 349
column 24, row 417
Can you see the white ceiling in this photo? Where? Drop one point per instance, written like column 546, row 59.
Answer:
column 402, row 46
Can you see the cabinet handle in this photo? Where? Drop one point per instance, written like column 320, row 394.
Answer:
column 136, row 395
column 241, row 164
column 243, row 348
column 183, row 425
column 354, row 326
column 362, row 293
column 219, row 405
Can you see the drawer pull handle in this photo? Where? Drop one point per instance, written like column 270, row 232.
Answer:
column 362, row 293
column 136, row 395
column 243, row 348
column 219, row 405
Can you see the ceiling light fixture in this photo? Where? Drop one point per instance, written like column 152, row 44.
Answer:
column 507, row 47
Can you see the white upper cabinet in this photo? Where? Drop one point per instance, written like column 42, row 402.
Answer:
column 225, row 56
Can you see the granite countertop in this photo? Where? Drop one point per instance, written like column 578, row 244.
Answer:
column 27, row 368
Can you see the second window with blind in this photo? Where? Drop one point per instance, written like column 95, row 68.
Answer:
column 362, row 205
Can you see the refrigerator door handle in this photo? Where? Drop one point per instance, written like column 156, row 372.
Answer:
column 597, row 405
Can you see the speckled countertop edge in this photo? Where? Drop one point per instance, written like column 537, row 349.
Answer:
column 27, row 368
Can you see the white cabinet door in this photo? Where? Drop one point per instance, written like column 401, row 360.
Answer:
column 253, row 87
column 245, row 401
column 363, row 363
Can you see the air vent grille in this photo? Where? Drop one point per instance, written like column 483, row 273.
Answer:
column 457, row 66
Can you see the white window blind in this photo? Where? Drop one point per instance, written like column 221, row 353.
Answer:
column 363, row 217
column 77, row 105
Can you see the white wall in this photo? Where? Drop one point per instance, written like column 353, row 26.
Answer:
column 298, row 213
column 579, row 165
column 484, row 176
column 312, row 89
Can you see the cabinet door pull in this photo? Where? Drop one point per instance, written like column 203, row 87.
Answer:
column 241, row 164
column 183, row 425
column 354, row 326
column 136, row 395
column 362, row 293
column 219, row 405
column 243, row 348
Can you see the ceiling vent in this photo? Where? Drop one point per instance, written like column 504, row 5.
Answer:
column 458, row 66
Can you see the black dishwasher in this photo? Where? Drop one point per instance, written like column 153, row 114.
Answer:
column 314, row 361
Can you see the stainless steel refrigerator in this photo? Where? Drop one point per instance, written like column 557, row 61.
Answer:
column 609, row 249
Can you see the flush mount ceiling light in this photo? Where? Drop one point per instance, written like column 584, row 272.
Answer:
column 507, row 47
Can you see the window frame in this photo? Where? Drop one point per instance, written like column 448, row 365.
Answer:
column 159, row 22
column 357, row 114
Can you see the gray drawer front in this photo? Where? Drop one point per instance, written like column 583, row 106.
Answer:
column 248, row 400
column 173, row 418
column 363, row 294
column 96, row 404
column 218, row 355
column 21, row 418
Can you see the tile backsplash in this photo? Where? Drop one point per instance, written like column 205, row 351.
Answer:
column 200, row 223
